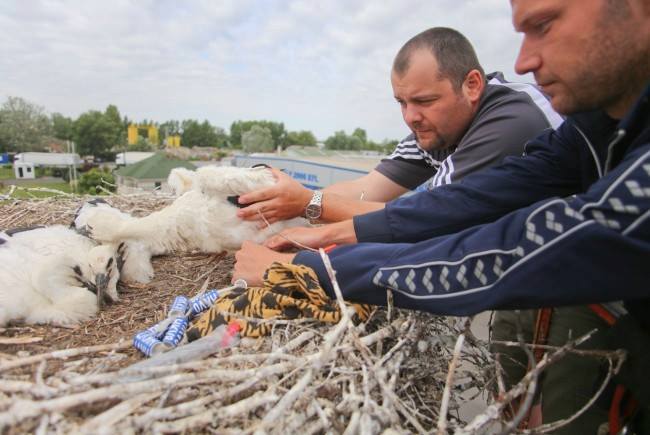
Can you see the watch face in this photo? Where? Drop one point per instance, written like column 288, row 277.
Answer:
column 313, row 211
column 314, row 208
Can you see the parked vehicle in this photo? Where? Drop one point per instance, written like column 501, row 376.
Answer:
column 49, row 159
column 131, row 157
column 25, row 164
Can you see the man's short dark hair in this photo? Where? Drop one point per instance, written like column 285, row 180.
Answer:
column 453, row 52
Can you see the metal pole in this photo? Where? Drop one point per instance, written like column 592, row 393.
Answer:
column 74, row 169
column 69, row 148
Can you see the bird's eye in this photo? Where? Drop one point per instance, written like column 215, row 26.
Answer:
column 110, row 261
column 77, row 270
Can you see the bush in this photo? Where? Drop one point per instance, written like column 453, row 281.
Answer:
column 95, row 177
column 219, row 154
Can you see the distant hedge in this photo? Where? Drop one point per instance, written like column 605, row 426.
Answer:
column 89, row 181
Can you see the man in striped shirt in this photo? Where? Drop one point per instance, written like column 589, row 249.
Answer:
column 461, row 120
column 504, row 119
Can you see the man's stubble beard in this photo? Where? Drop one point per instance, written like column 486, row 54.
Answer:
column 611, row 66
column 437, row 143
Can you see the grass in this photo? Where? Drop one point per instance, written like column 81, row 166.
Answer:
column 6, row 173
column 20, row 193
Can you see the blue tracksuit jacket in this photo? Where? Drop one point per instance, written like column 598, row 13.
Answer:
column 567, row 223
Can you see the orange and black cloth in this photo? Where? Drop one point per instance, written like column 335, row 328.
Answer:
column 290, row 291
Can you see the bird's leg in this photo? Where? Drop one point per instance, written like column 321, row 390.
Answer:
column 103, row 227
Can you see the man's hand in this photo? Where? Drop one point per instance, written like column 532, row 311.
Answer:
column 252, row 260
column 340, row 233
column 298, row 237
column 286, row 199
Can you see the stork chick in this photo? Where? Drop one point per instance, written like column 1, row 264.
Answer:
column 134, row 258
column 201, row 218
column 54, row 275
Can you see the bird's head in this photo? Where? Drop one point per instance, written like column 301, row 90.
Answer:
column 104, row 272
column 95, row 209
column 78, row 222
column 181, row 180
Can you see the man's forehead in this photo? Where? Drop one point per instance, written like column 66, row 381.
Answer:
column 422, row 56
column 523, row 10
column 422, row 65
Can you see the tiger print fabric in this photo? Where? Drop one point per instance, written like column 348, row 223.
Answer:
column 290, row 291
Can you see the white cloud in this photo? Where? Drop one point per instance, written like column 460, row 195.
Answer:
column 321, row 66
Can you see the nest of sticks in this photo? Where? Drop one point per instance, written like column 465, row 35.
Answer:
column 399, row 372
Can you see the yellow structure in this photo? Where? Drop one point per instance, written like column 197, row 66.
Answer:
column 173, row 140
column 149, row 132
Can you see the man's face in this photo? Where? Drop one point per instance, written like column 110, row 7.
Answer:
column 437, row 113
column 585, row 54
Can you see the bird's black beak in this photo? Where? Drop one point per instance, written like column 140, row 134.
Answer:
column 85, row 231
column 121, row 254
column 101, row 283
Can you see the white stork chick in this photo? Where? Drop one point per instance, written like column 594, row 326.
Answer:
column 54, row 275
column 134, row 261
column 201, row 218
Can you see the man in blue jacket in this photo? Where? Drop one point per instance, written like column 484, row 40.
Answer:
column 567, row 224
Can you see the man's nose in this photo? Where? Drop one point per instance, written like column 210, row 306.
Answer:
column 412, row 114
column 528, row 59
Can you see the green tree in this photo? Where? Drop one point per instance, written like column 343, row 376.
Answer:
column 388, row 146
column 361, row 134
column 62, row 127
column 235, row 134
column 223, row 139
column 258, row 139
column 304, row 137
column 97, row 133
column 203, row 134
column 169, row 128
column 238, row 128
column 114, row 118
column 341, row 141
column 143, row 144
column 89, row 181
column 112, row 114
column 24, row 126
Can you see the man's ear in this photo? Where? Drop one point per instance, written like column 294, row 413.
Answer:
column 473, row 86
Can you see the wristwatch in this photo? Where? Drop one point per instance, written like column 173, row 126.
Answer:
column 315, row 208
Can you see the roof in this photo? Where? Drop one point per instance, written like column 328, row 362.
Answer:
column 154, row 167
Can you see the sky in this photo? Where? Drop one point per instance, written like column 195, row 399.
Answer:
column 322, row 66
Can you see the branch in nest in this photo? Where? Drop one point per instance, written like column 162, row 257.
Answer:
column 494, row 411
column 62, row 354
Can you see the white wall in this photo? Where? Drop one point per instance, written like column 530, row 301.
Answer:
column 24, row 170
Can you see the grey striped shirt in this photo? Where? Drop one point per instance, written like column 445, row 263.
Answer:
column 508, row 116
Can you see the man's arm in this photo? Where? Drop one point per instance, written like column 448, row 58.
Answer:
column 549, row 169
column 590, row 248
column 288, row 198
column 374, row 187
column 338, row 233
column 346, row 199
column 252, row 260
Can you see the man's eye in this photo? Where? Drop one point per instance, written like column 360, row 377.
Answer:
column 541, row 27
